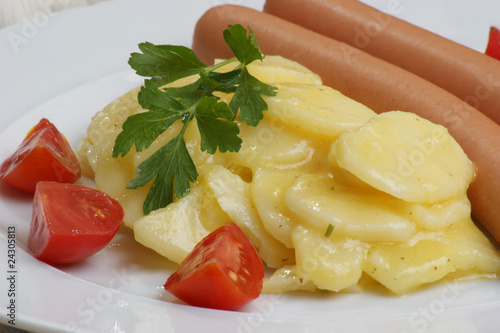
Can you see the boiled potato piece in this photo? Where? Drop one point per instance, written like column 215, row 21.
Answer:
column 268, row 192
column 402, row 268
column 441, row 215
column 430, row 256
column 342, row 175
column 406, row 156
column 277, row 69
column 105, row 127
column 173, row 231
column 286, row 279
column 316, row 109
column 473, row 251
column 111, row 174
column 364, row 215
column 81, row 154
column 332, row 263
column 235, row 198
column 271, row 146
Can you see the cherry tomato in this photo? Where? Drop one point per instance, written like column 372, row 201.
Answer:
column 224, row 271
column 44, row 154
column 71, row 222
column 493, row 48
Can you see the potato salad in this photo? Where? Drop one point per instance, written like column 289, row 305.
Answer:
column 333, row 196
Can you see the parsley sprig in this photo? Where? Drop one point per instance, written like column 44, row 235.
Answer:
column 171, row 168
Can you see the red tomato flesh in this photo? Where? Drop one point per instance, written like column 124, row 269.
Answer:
column 44, row 154
column 493, row 47
column 71, row 222
column 224, row 271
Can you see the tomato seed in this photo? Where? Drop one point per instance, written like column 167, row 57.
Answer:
column 233, row 276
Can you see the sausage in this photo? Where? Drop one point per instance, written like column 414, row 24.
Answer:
column 373, row 82
column 466, row 73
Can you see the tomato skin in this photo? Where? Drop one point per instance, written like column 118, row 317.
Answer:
column 224, row 271
column 493, row 47
column 44, row 154
column 71, row 222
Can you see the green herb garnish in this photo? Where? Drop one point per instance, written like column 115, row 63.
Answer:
column 171, row 168
column 329, row 230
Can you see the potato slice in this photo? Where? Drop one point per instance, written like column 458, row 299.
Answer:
column 331, row 263
column 235, row 198
column 278, row 69
column 270, row 145
column 402, row 268
column 316, row 109
column 473, row 251
column 430, row 256
column 107, row 123
column 286, row 279
column 441, row 215
column 268, row 192
column 356, row 213
column 274, row 69
column 112, row 176
column 173, row 231
column 406, row 156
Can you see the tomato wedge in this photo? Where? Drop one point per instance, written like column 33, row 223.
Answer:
column 71, row 222
column 44, row 154
column 224, row 271
column 493, row 47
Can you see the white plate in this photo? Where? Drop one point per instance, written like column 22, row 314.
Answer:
column 68, row 66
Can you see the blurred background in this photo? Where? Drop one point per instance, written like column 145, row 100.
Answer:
column 18, row 11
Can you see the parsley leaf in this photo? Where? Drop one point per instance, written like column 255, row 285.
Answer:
column 329, row 230
column 170, row 62
column 143, row 128
column 247, row 98
column 171, row 170
column 245, row 49
column 216, row 132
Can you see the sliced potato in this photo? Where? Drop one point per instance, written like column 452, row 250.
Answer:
column 286, row 279
column 278, row 69
column 356, row 213
column 430, row 256
column 441, row 215
column 402, row 268
column 271, row 146
column 173, row 231
column 268, row 192
column 342, row 175
column 332, row 263
column 315, row 109
column 473, row 251
column 234, row 197
column 274, row 69
column 406, row 156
